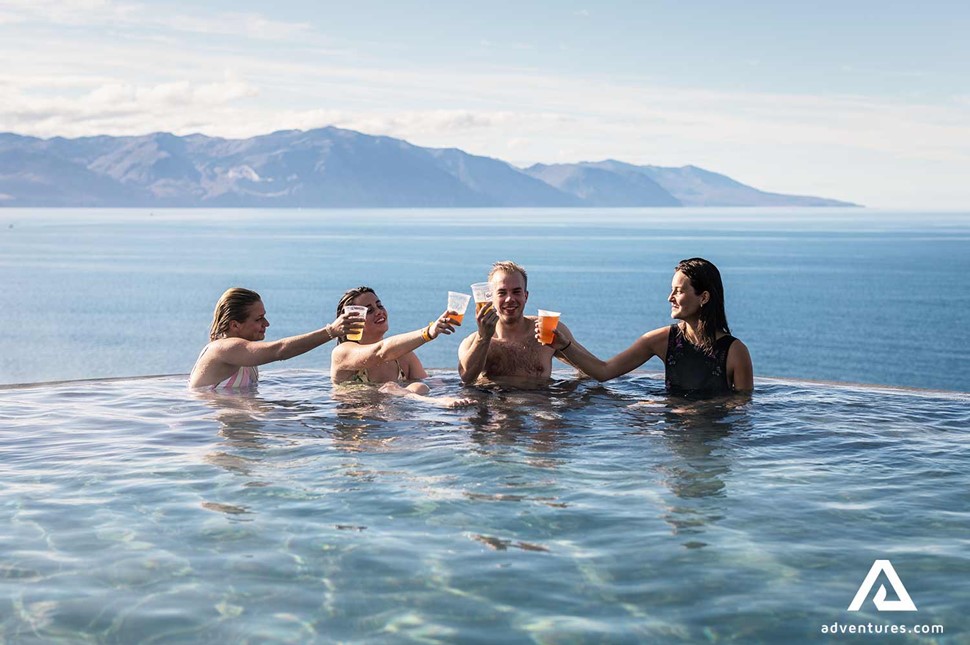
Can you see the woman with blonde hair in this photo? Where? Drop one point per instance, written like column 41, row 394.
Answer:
column 237, row 347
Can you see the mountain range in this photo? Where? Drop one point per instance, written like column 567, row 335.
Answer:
column 332, row 167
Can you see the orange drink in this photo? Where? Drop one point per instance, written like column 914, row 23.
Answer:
column 548, row 321
column 483, row 295
column 457, row 304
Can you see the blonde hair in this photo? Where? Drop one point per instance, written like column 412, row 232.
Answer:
column 233, row 305
column 508, row 266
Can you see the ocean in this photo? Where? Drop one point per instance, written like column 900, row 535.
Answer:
column 133, row 509
column 846, row 295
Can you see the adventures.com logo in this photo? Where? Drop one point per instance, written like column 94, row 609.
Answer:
column 903, row 602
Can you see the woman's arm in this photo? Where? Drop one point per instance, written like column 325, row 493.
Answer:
column 415, row 370
column 353, row 356
column 247, row 353
column 740, row 370
column 651, row 344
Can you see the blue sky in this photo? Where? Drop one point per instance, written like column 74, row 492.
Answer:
column 862, row 101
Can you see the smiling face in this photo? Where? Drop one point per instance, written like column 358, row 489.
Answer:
column 376, row 321
column 253, row 328
column 684, row 302
column 508, row 296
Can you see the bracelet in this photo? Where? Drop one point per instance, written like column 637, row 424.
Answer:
column 426, row 333
column 329, row 334
column 568, row 345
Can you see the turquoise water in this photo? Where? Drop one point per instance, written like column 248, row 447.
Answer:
column 137, row 511
column 839, row 295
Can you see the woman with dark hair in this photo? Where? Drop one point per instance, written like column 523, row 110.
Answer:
column 701, row 357
column 237, row 347
column 389, row 362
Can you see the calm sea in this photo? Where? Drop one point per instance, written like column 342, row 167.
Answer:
column 851, row 295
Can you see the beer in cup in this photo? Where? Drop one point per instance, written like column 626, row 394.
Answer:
column 355, row 335
column 548, row 321
column 483, row 295
column 457, row 304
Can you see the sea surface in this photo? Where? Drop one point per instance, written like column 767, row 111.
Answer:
column 853, row 295
column 136, row 511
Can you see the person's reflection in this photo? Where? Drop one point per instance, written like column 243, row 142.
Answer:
column 242, row 421
column 697, row 434
column 242, row 424
column 368, row 420
column 510, row 416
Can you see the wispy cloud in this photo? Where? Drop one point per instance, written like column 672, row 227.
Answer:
column 129, row 15
column 122, row 109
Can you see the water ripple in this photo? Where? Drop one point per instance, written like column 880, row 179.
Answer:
column 137, row 511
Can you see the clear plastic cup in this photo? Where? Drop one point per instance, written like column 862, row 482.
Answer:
column 548, row 321
column 356, row 335
column 457, row 304
column 482, row 293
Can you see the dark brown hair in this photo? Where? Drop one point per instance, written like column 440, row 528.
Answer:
column 704, row 276
column 348, row 298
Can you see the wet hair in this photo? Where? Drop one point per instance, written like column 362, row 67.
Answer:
column 508, row 266
column 233, row 305
column 704, row 276
column 349, row 297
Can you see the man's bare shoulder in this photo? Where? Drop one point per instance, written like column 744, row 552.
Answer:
column 467, row 341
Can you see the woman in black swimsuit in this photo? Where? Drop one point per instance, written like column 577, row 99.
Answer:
column 701, row 357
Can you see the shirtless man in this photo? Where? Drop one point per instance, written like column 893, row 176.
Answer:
column 504, row 348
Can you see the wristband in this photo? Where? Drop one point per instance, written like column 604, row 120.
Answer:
column 568, row 345
column 426, row 333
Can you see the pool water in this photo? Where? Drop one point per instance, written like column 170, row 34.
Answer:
column 138, row 511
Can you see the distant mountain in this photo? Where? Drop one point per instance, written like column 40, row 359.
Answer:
column 597, row 186
column 693, row 186
column 331, row 167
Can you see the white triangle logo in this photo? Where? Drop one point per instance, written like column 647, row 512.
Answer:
column 905, row 603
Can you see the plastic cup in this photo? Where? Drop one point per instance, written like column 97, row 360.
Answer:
column 482, row 292
column 457, row 304
column 355, row 335
column 548, row 321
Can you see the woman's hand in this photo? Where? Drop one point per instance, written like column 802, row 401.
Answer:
column 346, row 323
column 561, row 337
column 443, row 325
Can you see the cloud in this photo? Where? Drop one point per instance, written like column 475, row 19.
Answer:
column 134, row 15
column 122, row 109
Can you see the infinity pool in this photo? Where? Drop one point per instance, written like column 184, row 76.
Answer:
column 137, row 511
